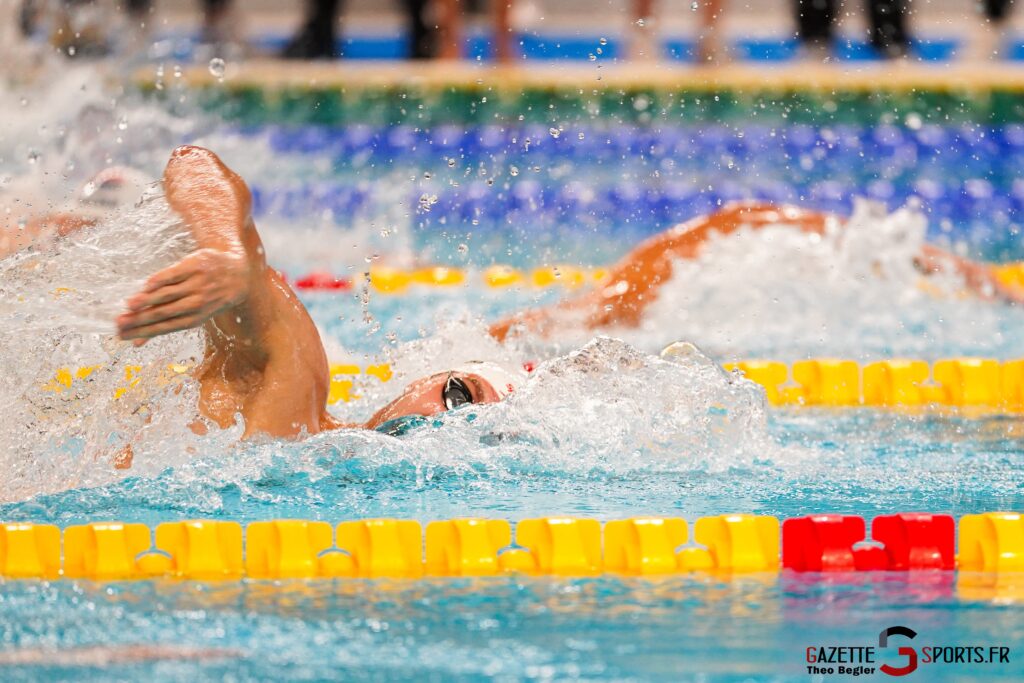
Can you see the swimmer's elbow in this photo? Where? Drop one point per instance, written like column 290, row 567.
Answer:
column 192, row 168
column 192, row 154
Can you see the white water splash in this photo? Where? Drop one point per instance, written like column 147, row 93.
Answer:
column 606, row 408
column 72, row 395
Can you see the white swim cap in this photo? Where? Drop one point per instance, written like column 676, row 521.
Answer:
column 111, row 189
column 504, row 380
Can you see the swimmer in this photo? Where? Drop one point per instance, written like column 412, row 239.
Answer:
column 264, row 358
column 632, row 284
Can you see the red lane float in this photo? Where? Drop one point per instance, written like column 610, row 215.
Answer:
column 323, row 281
column 907, row 541
column 916, row 540
column 826, row 543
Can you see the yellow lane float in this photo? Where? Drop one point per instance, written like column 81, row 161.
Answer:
column 989, row 543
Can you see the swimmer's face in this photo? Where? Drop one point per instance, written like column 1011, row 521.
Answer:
column 436, row 394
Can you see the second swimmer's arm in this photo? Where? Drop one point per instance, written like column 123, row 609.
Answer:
column 633, row 283
column 221, row 274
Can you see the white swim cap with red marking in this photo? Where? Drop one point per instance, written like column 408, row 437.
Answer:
column 504, row 380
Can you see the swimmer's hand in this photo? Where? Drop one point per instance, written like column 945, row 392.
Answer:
column 185, row 295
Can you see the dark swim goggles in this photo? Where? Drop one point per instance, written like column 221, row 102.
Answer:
column 455, row 393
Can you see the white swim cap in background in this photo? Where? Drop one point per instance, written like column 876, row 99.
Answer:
column 504, row 380
column 111, row 189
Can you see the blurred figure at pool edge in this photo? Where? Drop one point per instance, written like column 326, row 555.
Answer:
column 317, row 37
column 887, row 31
column 989, row 43
column 263, row 355
column 90, row 27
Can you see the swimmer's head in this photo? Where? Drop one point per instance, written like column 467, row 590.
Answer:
column 469, row 384
column 109, row 190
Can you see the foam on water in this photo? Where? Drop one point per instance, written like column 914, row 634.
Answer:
column 609, row 406
column 57, row 305
column 606, row 413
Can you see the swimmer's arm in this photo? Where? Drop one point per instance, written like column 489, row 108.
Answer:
column 215, row 280
column 632, row 284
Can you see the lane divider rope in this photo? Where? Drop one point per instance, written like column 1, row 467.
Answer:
column 990, row 542
column 396, row 281
column 962, row 382
column 983, row 383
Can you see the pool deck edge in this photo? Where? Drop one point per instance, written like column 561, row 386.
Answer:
column 865, row 77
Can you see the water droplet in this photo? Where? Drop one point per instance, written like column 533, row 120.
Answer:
column 427, row 201
column 914, row 121
column 694, row 5
column 603, row 41
column 513, row 171
column 640, row 22
column 122, row 123
column 33, row 156
column 451, row 163
column 463, row 248
column 217, row 68
column 554, row 132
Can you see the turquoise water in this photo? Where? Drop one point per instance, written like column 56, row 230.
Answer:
column 748, row 302
column 608, row 628
column 690, row 629
column 855, row 461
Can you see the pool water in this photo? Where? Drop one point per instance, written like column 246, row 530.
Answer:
column 607, row 628
column 505, row 629
column 349, row 198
